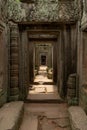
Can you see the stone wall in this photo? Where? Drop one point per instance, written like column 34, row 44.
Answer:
column 3, row 54
column 83, row 97
column 67, row 55
column 82, row 68
column 82, row 56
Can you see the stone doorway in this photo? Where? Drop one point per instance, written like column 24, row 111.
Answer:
column 42, row 40
column 43, row 87
column 40, row 35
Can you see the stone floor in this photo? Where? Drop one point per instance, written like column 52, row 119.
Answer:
column 43, row 92
column 42, row 79
column 42, row 76
column 45, row 117
column 11, row 115
column 43, row 89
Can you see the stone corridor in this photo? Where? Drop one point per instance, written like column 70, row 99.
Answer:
column 43, row 64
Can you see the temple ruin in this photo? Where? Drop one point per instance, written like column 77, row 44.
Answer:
column 43, row 64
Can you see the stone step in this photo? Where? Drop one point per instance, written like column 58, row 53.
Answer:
column 78, row 118
column 11, row 115
column 44, row 98
column 44, row 101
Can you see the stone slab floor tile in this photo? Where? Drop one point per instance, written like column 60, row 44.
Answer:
column 54, row 124
column 30, row 122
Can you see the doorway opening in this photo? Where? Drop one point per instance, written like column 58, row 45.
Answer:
column 43, row 60
column 43, row 44
column 43, row 87
column 43, row 63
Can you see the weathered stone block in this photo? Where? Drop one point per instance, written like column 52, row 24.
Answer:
column 78, row 118
column 10, row 115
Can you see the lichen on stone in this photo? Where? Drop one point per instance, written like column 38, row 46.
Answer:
column 15, row 11
column 43, row 10
column 52, row 10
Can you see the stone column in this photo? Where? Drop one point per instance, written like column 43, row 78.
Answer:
column 14, row 63
column 60, row 63
column 55, row 62
column 31, row 52
column 24, row 74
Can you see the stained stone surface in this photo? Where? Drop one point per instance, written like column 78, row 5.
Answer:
column 36, row 117
column 53, row 124
column 3, row 53
column 63, row 122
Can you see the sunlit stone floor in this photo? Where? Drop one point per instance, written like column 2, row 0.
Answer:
column 42, row 78
column 42, row 75
column 41, row 91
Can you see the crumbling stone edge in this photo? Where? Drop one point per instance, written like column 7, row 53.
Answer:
column 78, row 118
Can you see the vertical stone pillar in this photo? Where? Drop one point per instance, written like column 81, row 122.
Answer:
column 55, row 62
column 24, row 74
column 14, row 63
column 31, row 53
column 60, row 63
